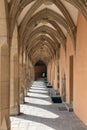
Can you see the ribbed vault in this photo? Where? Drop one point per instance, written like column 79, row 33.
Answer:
column 44, row 24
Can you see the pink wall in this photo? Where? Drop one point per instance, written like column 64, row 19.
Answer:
column 80, row 91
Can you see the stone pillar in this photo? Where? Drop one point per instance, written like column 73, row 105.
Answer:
column 27, row 74
column 4, row 87
column 21, row 78
column 4, row 71
column 30, row 73
column 24, row 74
column 52, row 72
column 14, row 77
column 48, row 72
column 56, row 76
column 56, row 72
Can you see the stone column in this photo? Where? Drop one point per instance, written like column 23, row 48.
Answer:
column 14, row 77
column 27, row 74
column 24, row 73
column 30, row 74
column 49, row 72
column 56, row 71
column 52, row 72
column 29, row 77
column 55, row 76
column 4, row 71
column 4, row 87
column 21, row 78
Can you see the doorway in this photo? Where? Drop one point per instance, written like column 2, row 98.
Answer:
column 71, row 78
column 40, row 70
column 63, row 86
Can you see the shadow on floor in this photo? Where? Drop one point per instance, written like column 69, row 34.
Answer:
column 48, row 114
column 48, row 122
column 33, row 97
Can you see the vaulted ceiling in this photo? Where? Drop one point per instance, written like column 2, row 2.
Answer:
column 44, row 24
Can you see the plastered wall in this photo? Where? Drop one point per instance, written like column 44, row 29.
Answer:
column 77, row 80
column 80, row 84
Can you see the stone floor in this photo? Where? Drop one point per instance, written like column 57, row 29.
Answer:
column 39, row 113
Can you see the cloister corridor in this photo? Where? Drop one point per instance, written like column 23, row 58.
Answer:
column 39, row 113
column 43, row 64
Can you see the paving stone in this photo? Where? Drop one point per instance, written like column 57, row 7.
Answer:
column 39, row 113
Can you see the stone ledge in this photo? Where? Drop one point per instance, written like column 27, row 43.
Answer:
column 69, row 107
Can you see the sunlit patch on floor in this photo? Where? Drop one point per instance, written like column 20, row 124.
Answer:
column 39, row 113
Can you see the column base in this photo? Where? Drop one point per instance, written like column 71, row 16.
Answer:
column 22, row 101
column 5, row 128
column 22, row 97
column 14, row 110
column 5, row 124
column 25, row 92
